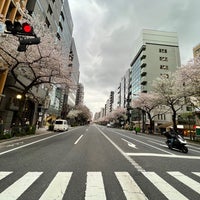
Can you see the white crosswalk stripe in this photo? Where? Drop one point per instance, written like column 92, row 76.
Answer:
column 4, row 174
column 170, row 192
column 131, row 190
column 196, row 173
column 95, row 186
column 194, row 185
column 17, row 188
column 57, row 187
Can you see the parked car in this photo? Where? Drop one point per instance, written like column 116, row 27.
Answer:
column 108, row 125
column 61, row 125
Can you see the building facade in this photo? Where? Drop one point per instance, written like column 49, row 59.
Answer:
column 57, row 16
column 157, row 54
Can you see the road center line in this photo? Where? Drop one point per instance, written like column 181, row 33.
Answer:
column 78, row 139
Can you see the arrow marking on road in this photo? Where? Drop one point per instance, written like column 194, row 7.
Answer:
column 130, row 144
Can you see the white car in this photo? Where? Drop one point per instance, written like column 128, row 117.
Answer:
column 61, row 125
column 108, row 125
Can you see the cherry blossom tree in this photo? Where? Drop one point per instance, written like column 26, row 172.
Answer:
column 189, row 76
column 171, row 93
column 79, row 115
column 148, row 103
column 45, row 63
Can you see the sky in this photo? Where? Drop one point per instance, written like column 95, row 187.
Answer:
column 105, row 32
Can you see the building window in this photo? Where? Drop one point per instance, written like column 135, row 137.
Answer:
column 47, row 22
column 165, row 67
column 163, row 58
column 61, row 27
column 161, row 117
column 163, row 50
column 49, row 10
column 62, row 15
column 164, row 75
column 58, row 35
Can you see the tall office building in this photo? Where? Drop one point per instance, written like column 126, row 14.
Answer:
column 157, row 54
column 57, row 16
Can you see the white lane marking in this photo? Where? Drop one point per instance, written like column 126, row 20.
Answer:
column 143, row 143
column 194, row 185
column 78, row 139
column 130, row 144
column 163, row 155
column 197, row 151
column 95, row 187
column 4, row 174
column 162, row 145
column 135, row 164
column 130, row 188
column 16, row 189
column 57, row 187
column 20, row 147
column 166, row 189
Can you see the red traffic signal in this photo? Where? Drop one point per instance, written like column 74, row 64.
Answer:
column 27, row 28
column 17, row 28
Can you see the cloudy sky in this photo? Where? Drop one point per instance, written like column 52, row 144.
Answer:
column 105, row 32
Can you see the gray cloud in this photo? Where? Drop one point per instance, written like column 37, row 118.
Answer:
column 105, row 32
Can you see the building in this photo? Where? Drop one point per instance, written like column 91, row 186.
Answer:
column 157, row 54
column 57, row 16
column 80, row 94
column 9, row 10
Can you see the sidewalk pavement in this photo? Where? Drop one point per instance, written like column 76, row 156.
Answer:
column 43, row 130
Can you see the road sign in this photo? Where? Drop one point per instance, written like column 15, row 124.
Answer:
column 2, row 27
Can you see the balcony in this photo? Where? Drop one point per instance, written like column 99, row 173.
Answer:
column 143, row 57
column 144, row 80
column 143, row 72
column 143, row 64
column 144, row 89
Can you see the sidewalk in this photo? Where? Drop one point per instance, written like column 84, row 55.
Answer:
column 40, row 131
column 43, row 130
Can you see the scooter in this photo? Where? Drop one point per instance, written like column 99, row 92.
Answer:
column 178, row 143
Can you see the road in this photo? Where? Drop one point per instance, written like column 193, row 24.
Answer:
column 97, row 163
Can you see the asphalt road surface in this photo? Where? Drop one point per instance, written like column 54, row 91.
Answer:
column 97, row 163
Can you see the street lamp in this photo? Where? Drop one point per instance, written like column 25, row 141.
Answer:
column 19, row 96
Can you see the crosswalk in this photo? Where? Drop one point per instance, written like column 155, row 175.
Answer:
column 95, row 185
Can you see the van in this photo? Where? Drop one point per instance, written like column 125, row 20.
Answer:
column 61, row 125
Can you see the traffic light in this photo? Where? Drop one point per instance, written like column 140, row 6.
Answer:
column 17, row 28
column 23, row 42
